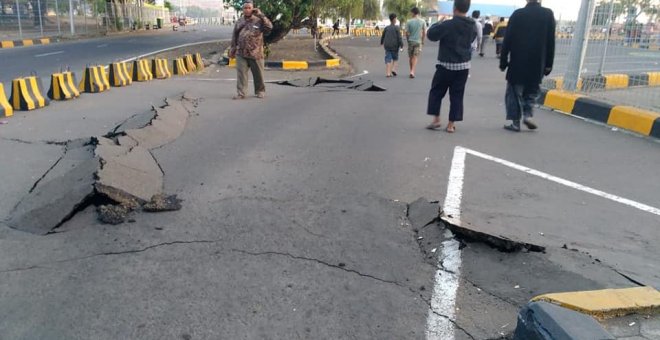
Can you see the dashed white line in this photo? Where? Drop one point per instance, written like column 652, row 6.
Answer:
column 47, row 54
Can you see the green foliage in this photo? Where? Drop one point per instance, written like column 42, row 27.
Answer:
column 285, row 15
column 371, row 10
column 400, row 7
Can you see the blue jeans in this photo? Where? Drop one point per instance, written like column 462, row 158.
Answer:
column 391, row 56
column 520, row 100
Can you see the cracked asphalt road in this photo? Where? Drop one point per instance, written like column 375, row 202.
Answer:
column 298, row 220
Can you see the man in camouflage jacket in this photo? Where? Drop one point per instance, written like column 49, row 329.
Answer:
column 247, row 46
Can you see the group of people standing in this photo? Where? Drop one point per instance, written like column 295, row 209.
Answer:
column 526, row 49
column 525, row 46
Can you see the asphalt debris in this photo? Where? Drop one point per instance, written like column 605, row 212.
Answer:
column 161, row 202
column 112, row 214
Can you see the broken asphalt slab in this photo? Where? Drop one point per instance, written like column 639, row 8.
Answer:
column 470, row 233
column 358, row 84
column 120, row 169
column 504, row 272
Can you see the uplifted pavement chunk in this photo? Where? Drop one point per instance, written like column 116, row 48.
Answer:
column 57, row 200
column 129, row 176
column 118, row 167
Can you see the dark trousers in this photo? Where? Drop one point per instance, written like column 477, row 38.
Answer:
column 519, row 100
column 444, row 80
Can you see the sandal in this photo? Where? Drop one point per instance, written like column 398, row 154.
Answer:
column 238, row 97
column 394, row 73
column 451, row 129
column 434, row 127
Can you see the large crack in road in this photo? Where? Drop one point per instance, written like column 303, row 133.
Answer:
column 117, row 168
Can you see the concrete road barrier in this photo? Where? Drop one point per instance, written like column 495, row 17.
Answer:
column 190, row 63
column 159, row 69
column 6, row 110
column 26, row 94
column 119, row 75
column 546, row 321
column 62, row 86
column 179, row 67
column 608, row 303
column 199, row 62
column 94, row 80
column 140, row 71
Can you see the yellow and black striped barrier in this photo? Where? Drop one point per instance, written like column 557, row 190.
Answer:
column 608, row 81
column 199, row 62
column 26, row 42
column 626, row 117
column 94, row 80
column 6, row 110
column 159, row 69
column 63, row 86
column 26, row 94
column 119, row 75
column 190, row 63
column 140, row 70
column 179, row 67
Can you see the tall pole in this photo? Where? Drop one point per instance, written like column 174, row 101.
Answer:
column 73, row 27
column 41, row 23
column 57, row 17
column 579, row 45
column 18, row 16
column 607, row 39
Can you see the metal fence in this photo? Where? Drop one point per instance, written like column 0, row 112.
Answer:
column 621, row 61
column 29, row 19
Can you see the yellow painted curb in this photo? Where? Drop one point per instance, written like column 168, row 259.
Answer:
column 45, row 41
column 560, row 100
column 608, row 303
column 232, row 62
column 634, row 119
column 654, row 78
column 294, row 65
column 28, row 42
column 616, row 81
column 7, row 44
column 332, row 62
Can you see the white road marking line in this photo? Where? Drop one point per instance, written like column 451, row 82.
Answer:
column 443, row 299
column 47, row 54
column 102, row 45
column 570, row 184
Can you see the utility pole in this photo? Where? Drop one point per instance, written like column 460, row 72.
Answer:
column 607, row 40
column 73, row 26
column 579, row 45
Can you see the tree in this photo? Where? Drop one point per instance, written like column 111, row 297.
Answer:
column 371, row 9
column 399, row 7
column 285, row 15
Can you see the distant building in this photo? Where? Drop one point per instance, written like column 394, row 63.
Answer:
column 447, row 8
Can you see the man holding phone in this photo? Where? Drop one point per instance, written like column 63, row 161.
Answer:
column 247, row 46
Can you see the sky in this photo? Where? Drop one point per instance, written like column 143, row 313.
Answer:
column 566, row 9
